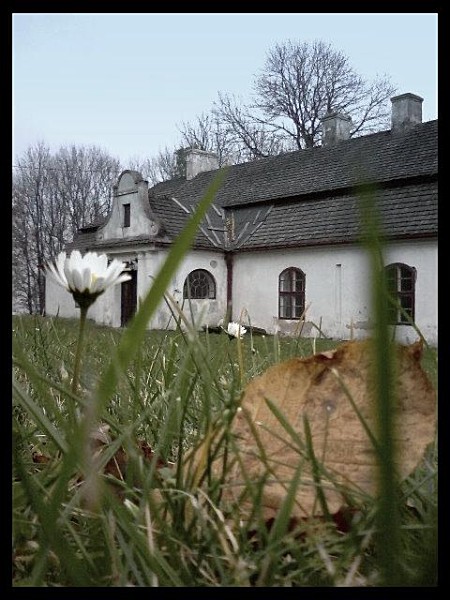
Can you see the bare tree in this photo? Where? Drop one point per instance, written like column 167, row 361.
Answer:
column 24, row 284
column 160, row 168
column 83, row 179
column 30, row 191
column 298, row 85
column 211, row 133
column 251, row 139
column 144, row 166
column 52, row 197
column 208, row 133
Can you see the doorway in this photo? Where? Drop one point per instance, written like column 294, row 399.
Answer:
column 128, row 299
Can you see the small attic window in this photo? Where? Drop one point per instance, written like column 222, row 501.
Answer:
column 126, row 215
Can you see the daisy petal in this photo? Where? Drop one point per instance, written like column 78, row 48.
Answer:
column 98, row 285
column 68, row 274
column 75, row 260
column 77, row 280
column 89, row 275
column 122, row 278
column 86, row 279
column 60, row 262
column 60, row 279
column 114, row 270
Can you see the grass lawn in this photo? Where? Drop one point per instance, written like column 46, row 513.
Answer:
column 139, row 523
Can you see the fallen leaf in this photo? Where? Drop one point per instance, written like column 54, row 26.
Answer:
column 117, row 465
column 328, row 390
column 40, row 458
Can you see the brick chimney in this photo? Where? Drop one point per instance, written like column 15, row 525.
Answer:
column 192, row 161
column 335, row 128
column 406, row 111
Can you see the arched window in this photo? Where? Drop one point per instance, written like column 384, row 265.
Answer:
column 401, row 284
column 291, row 304
column 199, row 284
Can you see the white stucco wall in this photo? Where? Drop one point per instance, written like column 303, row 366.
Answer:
column 202, row 312
column 127, row 192
column 107, row 308
column 337, row 291
column 58, row 301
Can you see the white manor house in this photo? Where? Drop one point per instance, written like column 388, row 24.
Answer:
column 280, row 246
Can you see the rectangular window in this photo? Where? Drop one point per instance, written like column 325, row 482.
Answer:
column 401, row 281
column 126, row 215
column 291, row 293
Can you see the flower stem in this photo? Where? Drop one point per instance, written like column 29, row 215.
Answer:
column 240, row 361
column 76, row 370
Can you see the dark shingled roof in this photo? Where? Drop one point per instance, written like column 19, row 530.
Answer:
column 174, row 216
column 83, row 241
column 407, row 211
column 308, row 197
column 379, row 157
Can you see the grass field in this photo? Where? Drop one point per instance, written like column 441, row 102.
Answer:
column 148, row 527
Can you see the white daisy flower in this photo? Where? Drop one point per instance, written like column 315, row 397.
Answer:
column 88, row 276
column 235, row 330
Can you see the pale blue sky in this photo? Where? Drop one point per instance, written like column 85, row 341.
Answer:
column 124, row 81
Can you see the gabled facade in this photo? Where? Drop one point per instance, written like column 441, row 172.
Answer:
column 280, row 247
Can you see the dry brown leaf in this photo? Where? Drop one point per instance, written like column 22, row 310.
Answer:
column 117, row 465
column 40, row 458
column 313, row 387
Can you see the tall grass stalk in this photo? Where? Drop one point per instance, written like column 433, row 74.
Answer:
column 388, row 534
column 135, row 332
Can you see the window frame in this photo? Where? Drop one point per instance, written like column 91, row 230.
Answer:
column 296, row 297
column 210, row 282
column 403, row 274
column 126, row 215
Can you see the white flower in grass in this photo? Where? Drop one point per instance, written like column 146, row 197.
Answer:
column 235, row 330
column 88, row 276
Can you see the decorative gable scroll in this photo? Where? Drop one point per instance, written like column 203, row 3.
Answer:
column 131, row 215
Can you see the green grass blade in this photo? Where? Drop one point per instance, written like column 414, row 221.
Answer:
column 71, row 564
column 135, row 332
column 39, row 417
column 315, row 467
column 388, row 535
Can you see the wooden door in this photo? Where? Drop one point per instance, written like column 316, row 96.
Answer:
column 129, row 299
